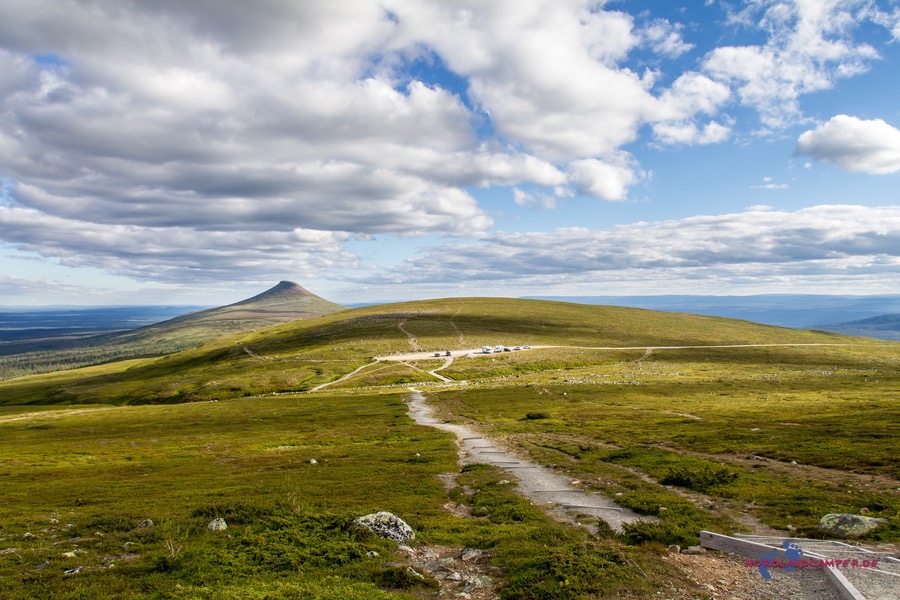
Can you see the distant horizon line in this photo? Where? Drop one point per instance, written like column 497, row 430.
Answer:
column 23, row 307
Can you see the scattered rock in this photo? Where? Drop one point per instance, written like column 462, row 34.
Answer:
column 756, row 429
column 462, row 572
column 415, row 573
column 217, row 524
column 27, row 536
column 477, row 582
column 470, row 554
column 864, row 511
column 146, row 524
column 74, row 571
column 372, row 554
column 312, row 461
column 503, row 482
column 386, row 525
column 694, row 550
column 54, row 521
column 674, row 549
column 849, row 525
column 441, row 564
column 793, row 462
column 69, row 555
column 8, row 551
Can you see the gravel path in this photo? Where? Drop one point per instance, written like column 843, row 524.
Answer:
column 552, row 492
column 724, row 575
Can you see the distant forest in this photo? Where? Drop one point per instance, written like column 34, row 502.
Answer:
column 40, row 341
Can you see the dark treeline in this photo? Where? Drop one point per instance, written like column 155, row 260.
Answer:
column 34, row 341
column 61, row 358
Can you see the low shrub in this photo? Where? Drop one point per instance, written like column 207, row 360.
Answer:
column 698, row 478
column 536, row 416
column 665, row 532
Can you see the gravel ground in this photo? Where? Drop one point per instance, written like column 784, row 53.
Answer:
column 880, row 583
column 725, row 576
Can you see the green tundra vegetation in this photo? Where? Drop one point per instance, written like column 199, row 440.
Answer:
column 723, row 438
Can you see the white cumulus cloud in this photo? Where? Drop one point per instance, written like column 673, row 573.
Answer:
column 810, row 45
column 853, row 144
column 605, row 179
column 839, row 241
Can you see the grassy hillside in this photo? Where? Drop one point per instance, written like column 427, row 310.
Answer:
column 80, row 484
column 286, row 301
column 724, row 438
column 299, row 355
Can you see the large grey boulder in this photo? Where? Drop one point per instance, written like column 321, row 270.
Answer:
column 386, row 525
column 849, row 525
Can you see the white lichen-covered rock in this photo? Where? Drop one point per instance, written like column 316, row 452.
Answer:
column 849, row 525
column 386, row 525
column 217, row 524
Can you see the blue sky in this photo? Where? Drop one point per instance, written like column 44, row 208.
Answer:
column 386, row 150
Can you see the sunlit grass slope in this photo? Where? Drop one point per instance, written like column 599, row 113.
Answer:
column 79, row 484
column 784, row 434
column 299, row 355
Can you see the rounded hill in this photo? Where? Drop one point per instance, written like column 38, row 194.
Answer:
column 302, row 355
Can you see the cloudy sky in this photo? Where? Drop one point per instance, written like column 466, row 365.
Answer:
column 199, row 151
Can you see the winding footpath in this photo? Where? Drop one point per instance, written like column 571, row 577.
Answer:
column 548, row 490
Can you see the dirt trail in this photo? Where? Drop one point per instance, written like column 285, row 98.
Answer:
column 53, row 414
column 446, row 364
column 344, row 378
column 413, row 342
column 552, row 492
column 459, row 335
